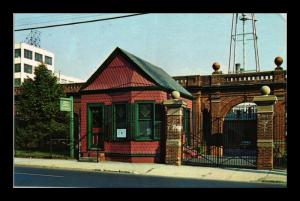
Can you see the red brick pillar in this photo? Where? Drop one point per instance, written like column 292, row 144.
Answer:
column 174, row 130
column 215, row 108
column 280, row 108
column 197, row 137
column 265, row 110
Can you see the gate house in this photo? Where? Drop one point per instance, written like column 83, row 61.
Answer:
column 122, row 115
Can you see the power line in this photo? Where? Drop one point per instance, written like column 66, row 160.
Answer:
column 82, row 22
column 66, row 18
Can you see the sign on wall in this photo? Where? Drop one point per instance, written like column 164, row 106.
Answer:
column 121, row 133
column 65, row 104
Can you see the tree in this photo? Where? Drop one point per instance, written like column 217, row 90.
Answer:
column 38, row 110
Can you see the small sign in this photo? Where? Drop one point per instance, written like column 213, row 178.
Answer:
column 65, row 104
column 148, row 131
column 121, row 133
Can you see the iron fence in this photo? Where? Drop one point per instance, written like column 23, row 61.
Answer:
column 44, row 137
column 225, row 142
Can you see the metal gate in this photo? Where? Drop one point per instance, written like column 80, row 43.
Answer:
column 233, row 146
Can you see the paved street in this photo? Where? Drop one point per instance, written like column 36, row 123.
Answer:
column 42, row 177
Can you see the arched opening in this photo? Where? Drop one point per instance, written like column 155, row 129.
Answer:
column 240, row 130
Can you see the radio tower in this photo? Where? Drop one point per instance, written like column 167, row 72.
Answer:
column 33, row 38
column 239, row 34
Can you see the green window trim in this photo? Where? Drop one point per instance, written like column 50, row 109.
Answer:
column 108, row 122
column 132, row 122
column 89, row 126
column 152, row 136
column 114, row 123
column 159, row 111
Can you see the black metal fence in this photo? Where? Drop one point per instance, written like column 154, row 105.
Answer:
column 232, row 143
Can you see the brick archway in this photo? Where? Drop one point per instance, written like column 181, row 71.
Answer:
column 228, row 105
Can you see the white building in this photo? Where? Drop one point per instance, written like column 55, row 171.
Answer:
column 27, row 58
column 63, row 79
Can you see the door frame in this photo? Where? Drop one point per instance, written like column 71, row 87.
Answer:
column 89, row 126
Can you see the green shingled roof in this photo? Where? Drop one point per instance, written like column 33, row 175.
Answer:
column 157, row 74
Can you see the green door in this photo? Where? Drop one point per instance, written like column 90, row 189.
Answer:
column 95, row 127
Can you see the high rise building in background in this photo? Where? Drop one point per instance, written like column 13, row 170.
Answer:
column 28, row 57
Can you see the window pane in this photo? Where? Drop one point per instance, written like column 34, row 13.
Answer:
column 120, row 116
column 145, row 111
column 17, row 53
column 96, row 117
column 27, row 68
column 48, row 60
column 17, row 68
column 38, row 57
column 17, row 82
column 145, row 129
column 27, row 54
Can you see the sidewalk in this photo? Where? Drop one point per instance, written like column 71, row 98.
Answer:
column 154, row 169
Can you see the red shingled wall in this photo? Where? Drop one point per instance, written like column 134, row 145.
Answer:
column 119, row 73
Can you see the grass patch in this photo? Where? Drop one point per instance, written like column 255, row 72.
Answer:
column 39, row 154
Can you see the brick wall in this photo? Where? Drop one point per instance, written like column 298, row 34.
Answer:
column 133, row 147
column 265, row 126
column 157, row 96
column 133, row 151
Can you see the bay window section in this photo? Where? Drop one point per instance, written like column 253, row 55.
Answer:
column 150, row 118
column 145, row 121
column 120, row 114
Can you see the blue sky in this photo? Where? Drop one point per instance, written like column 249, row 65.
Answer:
column 181, row 44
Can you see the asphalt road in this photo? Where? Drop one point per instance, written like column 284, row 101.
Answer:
column 43, row 177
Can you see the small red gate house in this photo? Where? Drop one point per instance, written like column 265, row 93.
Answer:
column 122, row 115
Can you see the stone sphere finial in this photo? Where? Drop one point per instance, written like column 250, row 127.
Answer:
column 265, row 90
column 278, row 61
column 216, row 66
column 175, row 94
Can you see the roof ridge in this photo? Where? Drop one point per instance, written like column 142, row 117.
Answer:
column 165, row 82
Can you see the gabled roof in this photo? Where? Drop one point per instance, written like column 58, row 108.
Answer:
column 159, row 76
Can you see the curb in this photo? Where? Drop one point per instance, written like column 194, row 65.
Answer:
column 147, row 172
